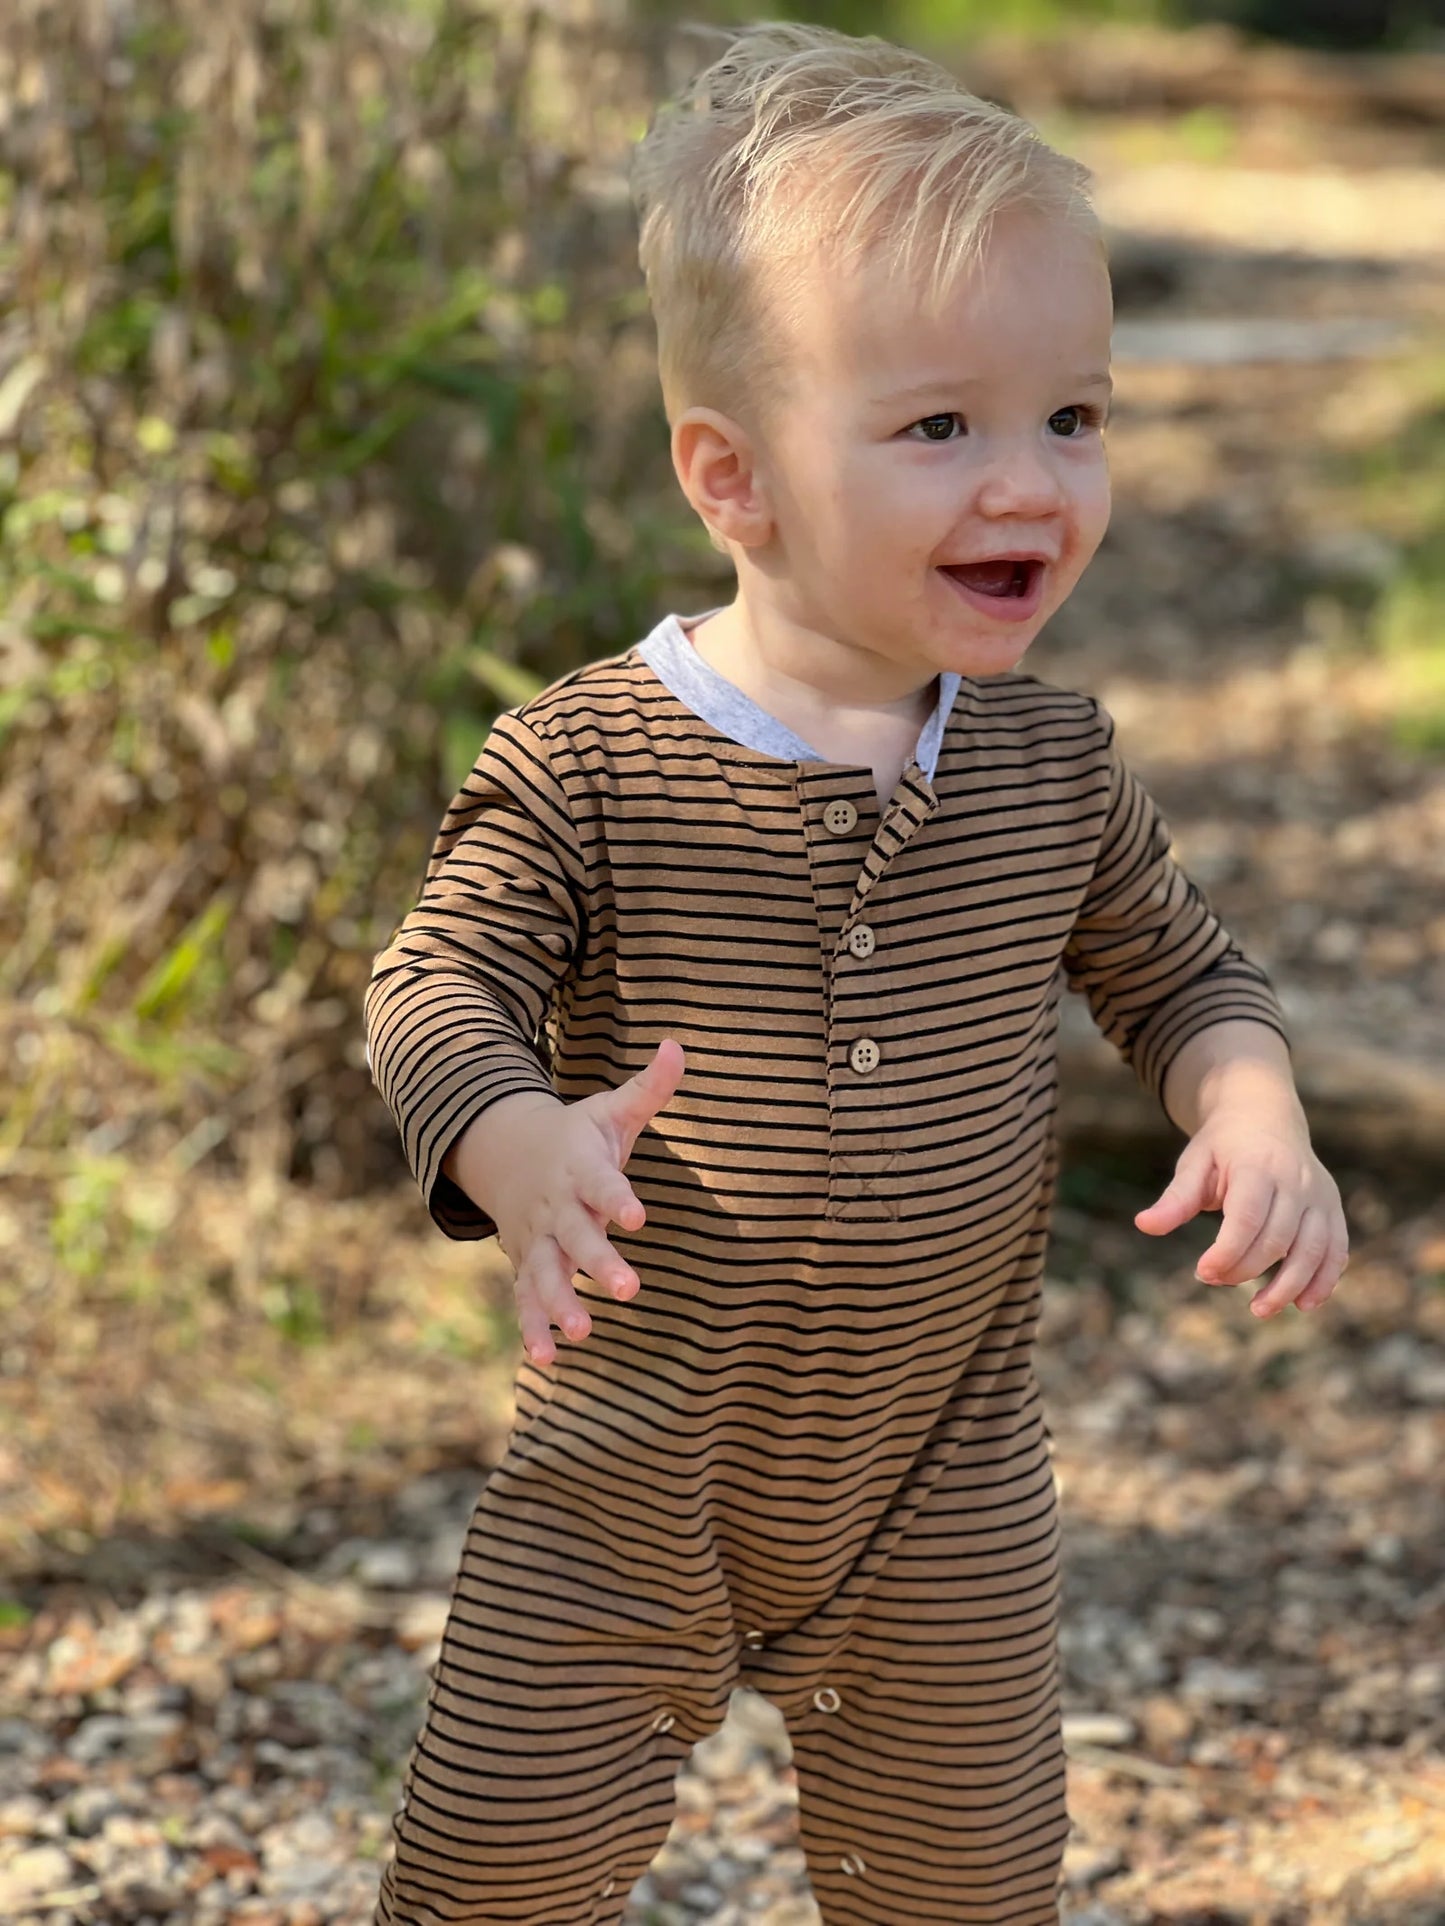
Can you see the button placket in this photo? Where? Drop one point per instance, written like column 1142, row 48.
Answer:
column 858, row 1164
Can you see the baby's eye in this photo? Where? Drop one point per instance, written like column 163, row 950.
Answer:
column 929, row 421
column 1085, row 415
column 1072, row 420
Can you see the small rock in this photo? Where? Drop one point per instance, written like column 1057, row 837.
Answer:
column 1425, row 1383
column 1386, row 1548
column 1216, row 1684
column 1086, row 1866
column 300, row 1877
column 1166, row 1724
column 153, row 1741
column 422, row 1621
column 88, row 1808
column 213, row 1831
column 391, row 1568
column 1097, row 1728
column 20, row 1739
column 39, row 1870
column 1142, row 1658
column 300, row 1858
column 22, row 1816
column 702, row 1896
column 102, row 1737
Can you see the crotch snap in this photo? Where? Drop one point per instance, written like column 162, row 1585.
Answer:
column 852, row 1862
column 664, row 1722
column 826, row 1699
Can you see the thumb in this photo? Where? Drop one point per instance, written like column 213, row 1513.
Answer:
column 636, row 1102
column 1187, row 1194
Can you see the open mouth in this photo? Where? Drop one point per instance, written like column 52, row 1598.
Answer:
column 1003, row 590
column 1002, row 578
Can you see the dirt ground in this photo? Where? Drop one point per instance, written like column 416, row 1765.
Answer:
column 230, row 1531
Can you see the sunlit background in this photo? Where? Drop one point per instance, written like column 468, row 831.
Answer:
column 329, row 428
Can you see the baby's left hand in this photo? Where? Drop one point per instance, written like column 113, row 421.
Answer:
column 1278, row 1200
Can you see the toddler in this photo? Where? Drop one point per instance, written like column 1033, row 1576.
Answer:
column 730, row 1006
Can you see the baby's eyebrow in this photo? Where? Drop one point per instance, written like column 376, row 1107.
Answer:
column 937, row 384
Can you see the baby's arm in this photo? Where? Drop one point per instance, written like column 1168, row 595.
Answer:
column 458, row 998
column 454, row 1008
column 1201, row 1026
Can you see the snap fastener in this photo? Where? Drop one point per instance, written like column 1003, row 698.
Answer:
column 826, row 1699
column 753, row 1641
column 860, row 940
column 840, row 816
column 664, row 1722
column 852, row 1862
column 864, row 1056
column 609, row 1889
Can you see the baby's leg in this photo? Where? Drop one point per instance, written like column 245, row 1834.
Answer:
column 931, row 1764
column 575, row 1675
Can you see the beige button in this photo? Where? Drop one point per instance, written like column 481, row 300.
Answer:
column 860, row 940
column 840, row 816
column 852, row 1862
column 864, row 1056
column 826, row 1699
column 664, row 1722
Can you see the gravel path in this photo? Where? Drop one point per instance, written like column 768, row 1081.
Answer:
column 1254, row 1650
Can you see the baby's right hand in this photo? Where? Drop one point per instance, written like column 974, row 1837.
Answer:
column 551, row 1175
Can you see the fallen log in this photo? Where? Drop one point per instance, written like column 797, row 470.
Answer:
column 1361, row 1099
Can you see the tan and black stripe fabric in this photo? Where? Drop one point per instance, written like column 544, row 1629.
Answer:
column 810, row 1456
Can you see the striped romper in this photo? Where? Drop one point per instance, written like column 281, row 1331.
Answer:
column 809, row 1457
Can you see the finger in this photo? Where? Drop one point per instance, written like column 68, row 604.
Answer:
column 1331, row 1269
column 566, row 1309
column 1302, row 1261
column 637, row 1101
column 545, row 1297
column 1248, row 1199
column 588, row 1250
column 1275, row 1240
column 1187, row 1193
column 532, row 1318
column 608, row 1192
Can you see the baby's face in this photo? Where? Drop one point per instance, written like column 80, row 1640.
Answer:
column 911, row 445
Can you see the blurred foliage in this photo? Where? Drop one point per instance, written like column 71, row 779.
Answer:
column 935, row 23
column 329, row 427
column 1385, row 603
column 1404, row 481
column 326, row 374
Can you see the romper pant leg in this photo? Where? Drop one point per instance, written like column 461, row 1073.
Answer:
column 930, row 1764
column 571, row 1684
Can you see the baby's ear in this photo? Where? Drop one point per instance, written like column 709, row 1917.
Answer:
column 712, row 456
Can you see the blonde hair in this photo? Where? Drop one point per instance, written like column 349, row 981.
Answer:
column 743, row 178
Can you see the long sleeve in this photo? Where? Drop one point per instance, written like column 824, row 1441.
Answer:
column 457, row 1000
column 1147, row 950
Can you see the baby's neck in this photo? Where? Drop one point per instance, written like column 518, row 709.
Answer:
column 809, row 708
